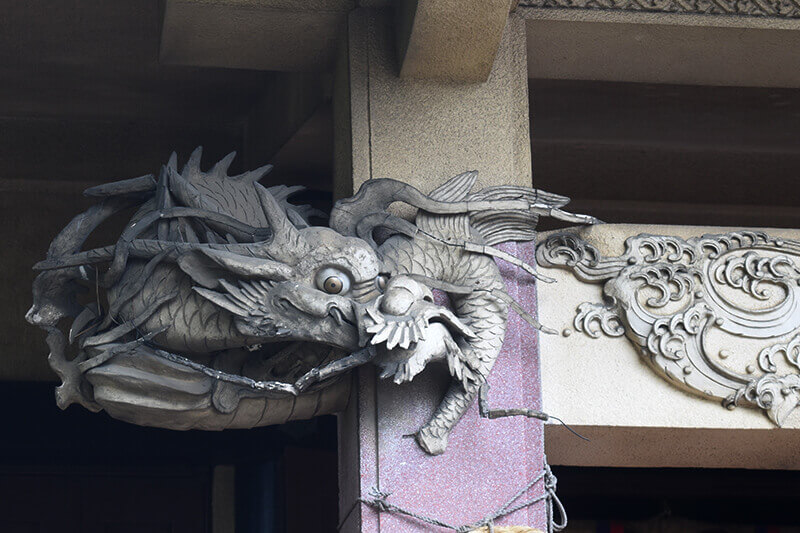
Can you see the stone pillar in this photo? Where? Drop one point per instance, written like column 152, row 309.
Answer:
column 424, row 132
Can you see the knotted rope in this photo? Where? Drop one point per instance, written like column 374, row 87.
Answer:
column 378, row 500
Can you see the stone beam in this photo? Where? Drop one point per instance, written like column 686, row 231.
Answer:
column 284, row 35
column 652, row 47
column 653, row 396
column 451, row 40
column 696, row 213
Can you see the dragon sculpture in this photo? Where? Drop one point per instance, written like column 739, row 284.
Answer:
column 220, row 306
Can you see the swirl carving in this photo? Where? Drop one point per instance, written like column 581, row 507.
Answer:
column 671, row 336
column 750, row 271
column 790, row 350
column 673, row 282
column 784, row 9
column 673, row 297
column 596, row 320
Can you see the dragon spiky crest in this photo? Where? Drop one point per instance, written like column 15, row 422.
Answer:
column 222, row 306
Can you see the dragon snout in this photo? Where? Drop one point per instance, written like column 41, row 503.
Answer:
column 41, row 315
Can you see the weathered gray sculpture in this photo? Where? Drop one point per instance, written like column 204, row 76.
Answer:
column 224, row 308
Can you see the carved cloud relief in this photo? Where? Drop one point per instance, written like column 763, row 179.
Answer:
column 716, row 315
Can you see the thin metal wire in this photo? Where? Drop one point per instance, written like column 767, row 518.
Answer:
column 378, row 500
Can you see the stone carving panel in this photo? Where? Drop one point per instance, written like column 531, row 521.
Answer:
column 220, row 305
column 749, row 8
column 716, row 315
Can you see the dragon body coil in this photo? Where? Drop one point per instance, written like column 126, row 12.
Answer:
column 221, row 306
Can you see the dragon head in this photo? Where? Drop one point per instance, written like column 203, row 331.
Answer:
column 332, row 290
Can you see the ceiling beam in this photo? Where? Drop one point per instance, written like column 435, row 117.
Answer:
column 282, row 35
column 676, row 48
column 449, row 40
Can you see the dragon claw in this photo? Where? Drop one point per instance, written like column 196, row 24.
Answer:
column 432, row 444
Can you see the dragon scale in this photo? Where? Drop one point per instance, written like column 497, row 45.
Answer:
column 483, row 312
column 222, row 306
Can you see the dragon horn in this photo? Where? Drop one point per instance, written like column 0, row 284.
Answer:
column 206, row 267
column 286, row 238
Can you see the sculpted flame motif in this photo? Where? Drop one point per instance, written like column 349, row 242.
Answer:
column 221, row 306
column 717, row 315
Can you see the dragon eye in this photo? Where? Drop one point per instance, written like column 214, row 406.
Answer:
column 381, row 282
column 333, row 281
column 333, row 285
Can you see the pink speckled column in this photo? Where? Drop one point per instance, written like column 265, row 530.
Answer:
column 486, row 462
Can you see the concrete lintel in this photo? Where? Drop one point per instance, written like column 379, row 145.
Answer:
column 451, row 40
column 284, row 35
column 662, row 48
column 644, row 447
column 634, row 417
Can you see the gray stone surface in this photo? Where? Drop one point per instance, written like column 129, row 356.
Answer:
column 421, row 132
column 449, row 40
column 662, row 48
column 604, row 388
